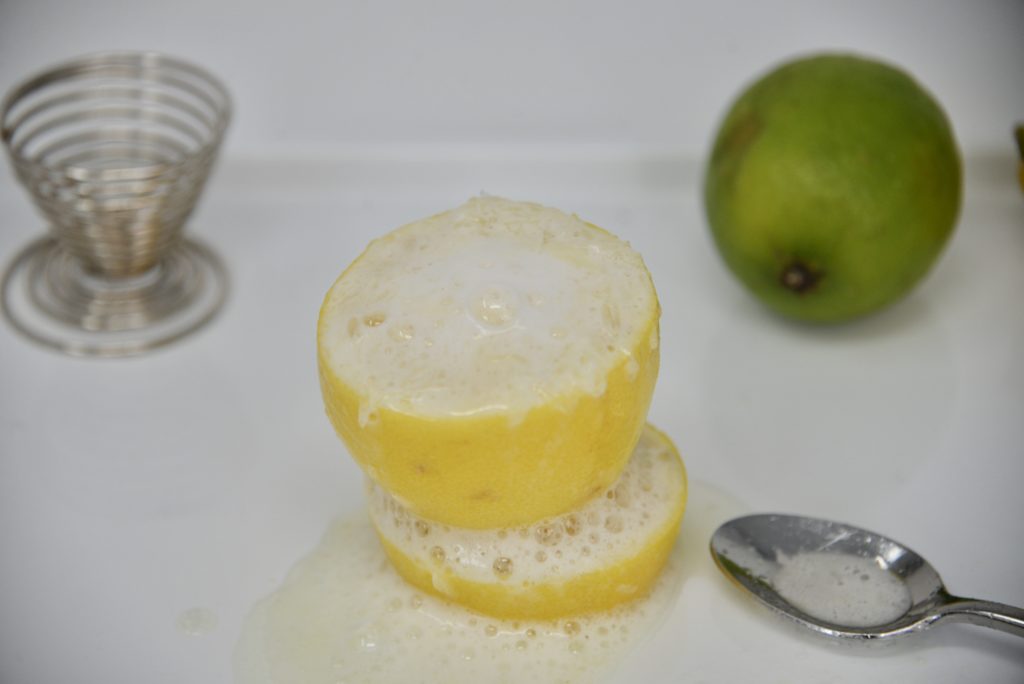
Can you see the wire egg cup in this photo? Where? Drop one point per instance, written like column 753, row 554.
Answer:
column 114, row 150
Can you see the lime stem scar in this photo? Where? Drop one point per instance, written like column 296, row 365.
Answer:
column 799, row 278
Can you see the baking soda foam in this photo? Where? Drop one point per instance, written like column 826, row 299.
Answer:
column 343, row 616
column 492, row 365
column 841, row 588
column 605, row 553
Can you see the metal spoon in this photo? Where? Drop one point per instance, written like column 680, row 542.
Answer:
column 845, row 582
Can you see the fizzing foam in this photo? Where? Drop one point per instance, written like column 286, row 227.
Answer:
column 344, row 616
column 841, row 588
column 612, row 529
column 494, row 306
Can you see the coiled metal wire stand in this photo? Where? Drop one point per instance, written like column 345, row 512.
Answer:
column 115, row 150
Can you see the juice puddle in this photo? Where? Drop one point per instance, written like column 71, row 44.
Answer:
column 343, row 616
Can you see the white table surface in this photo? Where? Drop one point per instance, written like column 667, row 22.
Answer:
column 133, row 490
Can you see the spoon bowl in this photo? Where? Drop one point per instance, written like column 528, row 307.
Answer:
column 843, row 581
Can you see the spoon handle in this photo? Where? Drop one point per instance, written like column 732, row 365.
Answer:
column 985, row 613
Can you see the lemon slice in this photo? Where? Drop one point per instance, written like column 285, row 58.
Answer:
column 607, row 552
column 492, row 365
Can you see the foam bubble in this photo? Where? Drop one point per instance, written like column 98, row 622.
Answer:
column 500, row 306
column 344, row 615
column 841, row 588
column 613, row 525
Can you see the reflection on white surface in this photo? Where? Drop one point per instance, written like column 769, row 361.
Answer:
column 844, row 415
column 131, row 449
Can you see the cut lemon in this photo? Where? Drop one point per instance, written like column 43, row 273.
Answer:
column 492, row 365
column 609, row 551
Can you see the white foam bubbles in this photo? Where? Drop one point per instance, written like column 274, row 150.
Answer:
column 344, row 615
column 614, row 525
column 841, row 588
column 494, row 306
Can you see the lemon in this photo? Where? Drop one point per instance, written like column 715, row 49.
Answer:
column 492, row 365
column 833, row 186
column 606, row 552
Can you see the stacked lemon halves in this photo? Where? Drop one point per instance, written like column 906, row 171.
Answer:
column 490, row 368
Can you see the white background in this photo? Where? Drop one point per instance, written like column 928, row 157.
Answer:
column 315, row 75
column 133, row 490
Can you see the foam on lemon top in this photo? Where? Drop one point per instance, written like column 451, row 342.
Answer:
column 612, row 526
column 493, row 306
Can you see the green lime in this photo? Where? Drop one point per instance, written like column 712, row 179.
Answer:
column 833, row 185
